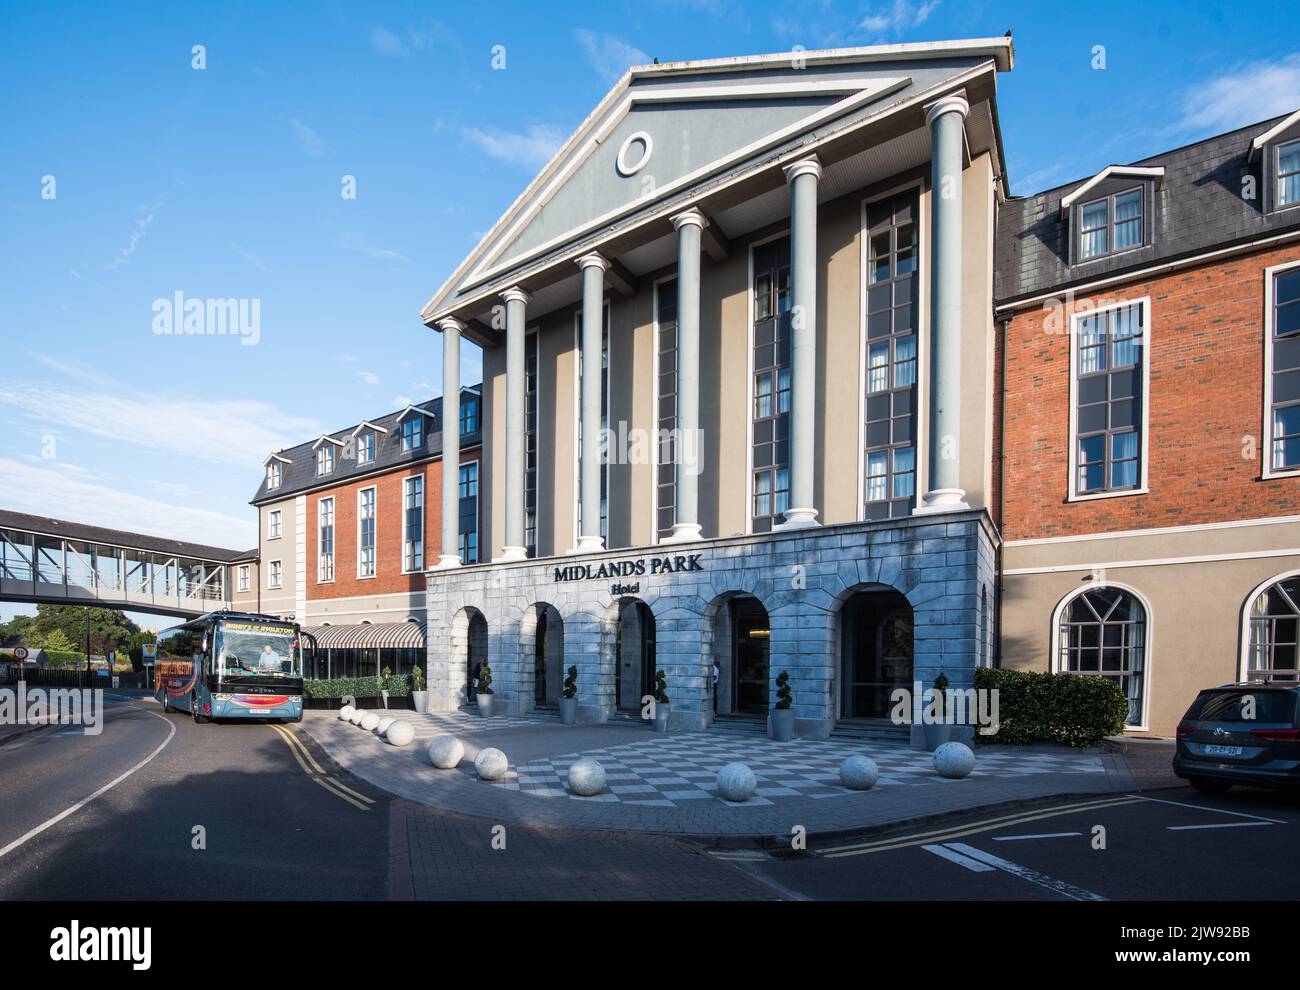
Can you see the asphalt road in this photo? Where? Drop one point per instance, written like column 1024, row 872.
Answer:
column 1172, row 844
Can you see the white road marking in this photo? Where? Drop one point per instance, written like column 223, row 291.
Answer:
column 1040, row 835
column 1025, row 873
column 21, row 840
column 1185, row 828
column 974, row 865
column 1213, row 811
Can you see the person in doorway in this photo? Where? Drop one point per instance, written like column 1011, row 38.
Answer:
column 471, row 689
column 717, row 676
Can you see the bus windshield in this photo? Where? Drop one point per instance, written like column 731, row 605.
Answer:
column 257, row 648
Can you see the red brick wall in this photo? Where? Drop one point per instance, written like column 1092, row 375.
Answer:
column 1206, row 394
column 388, row 577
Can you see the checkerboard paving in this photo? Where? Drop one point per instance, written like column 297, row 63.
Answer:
column 668, row 771
column 427, row 725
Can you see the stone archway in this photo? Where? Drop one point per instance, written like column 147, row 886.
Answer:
column 469, row 644
column 541, row 656
column 738, row 631
column 628, row 647
column 875, row 630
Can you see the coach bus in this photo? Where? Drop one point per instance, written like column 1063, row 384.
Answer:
column 232, row 665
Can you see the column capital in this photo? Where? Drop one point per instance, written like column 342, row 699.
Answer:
column 692, row 217
column 594, row 260
column 516, row 294
column 451, row 323
column 952, row 103
column 804, row 166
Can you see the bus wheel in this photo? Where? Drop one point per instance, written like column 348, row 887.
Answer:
column 194, row 707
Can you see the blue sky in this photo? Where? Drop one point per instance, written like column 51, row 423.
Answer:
column 225, row 182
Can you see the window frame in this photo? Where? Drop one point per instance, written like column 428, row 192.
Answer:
column 462, row 551
column 1278, row 205
column 1245, row 626
column 325, row 459
column 275, row 574
column 374, row 548
column 468, row 402
column 417, row 419
column 243, row 579
column 1111, row 251
column 656, row 484
column 1144, row 406
column 274, row 475
column 275, row 524
column 1148, row 642
column 1267, row 471
column 321, row 557
column 367, row 441
column 424, row 525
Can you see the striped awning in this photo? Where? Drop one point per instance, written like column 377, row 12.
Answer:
column 378, row 635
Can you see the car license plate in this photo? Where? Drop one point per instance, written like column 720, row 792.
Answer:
column 1212, row 750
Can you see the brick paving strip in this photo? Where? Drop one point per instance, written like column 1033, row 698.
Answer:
column 663, row 785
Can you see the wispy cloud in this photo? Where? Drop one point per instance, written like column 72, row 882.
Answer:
column 385, row 42
column 895, row 19
column 1242, row 95
column 368, row 377
column 608, row 55
column 392, row 44
column 827, row 28
column 532, row 149
column 142, row 222
column 65, row 491
column 370, row 250
column 253, row 259
column 311, row 142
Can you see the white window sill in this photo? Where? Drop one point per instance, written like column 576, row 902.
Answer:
column 1096, row 495
column 1287, row 473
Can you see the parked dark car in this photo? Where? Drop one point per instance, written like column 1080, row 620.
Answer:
column 1241, row 734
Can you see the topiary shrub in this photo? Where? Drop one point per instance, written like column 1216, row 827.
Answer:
column 1033, row 706
column 485, row 679
column 784, row 699
column 417, row 678
column 571, row 683
column 661, row 688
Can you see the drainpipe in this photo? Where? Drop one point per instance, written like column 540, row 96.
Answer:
column 1004, row 323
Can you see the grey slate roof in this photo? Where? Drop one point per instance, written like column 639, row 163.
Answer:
column 116, row 537
column 1198, row 206
column 300, row 474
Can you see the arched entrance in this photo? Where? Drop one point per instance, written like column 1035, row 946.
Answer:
column 476, row 649
column 741, row 640
column 634, row 654
column 876, row 650
column 541, row 646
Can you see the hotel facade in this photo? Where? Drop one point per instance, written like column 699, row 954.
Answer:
column 746, row 317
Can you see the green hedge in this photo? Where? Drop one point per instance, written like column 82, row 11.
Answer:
column 1063, row 708
column 399, row 686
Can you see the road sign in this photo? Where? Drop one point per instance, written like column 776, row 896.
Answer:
column 20, row 653
column 148, row 652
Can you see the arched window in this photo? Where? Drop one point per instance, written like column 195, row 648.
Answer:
column 1274, row 631
column 1104, row 632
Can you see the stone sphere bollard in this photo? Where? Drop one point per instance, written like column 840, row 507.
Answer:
column 736, row 782
column 586, row 777
column 356, row 716
column 491, row 764
column 954, row 760
column 384, row 723
column 859, row 773
column 446, row 752
column 400, row 733
column 345, row 713
column 370, row 721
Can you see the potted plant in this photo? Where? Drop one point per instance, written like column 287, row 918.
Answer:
column 661, row 702
column 569, row 701
column 419, row 696
column 938, row 733
column 383, row 685
column 783, row 711
column 485, row 689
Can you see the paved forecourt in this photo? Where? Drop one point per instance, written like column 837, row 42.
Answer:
column 666, row 783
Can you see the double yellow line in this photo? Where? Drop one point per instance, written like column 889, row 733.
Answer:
column 316, row 772
column 988, row 825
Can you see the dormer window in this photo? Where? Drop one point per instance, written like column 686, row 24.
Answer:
column 412, row 432
column 1288, row 174
column 469, row 416
column 324, row 459
column 366, row 448
column 1110, row 225
column 274, row 474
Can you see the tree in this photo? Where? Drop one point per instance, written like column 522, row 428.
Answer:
column 13, row 632
column 110, row 629
column 56, row 640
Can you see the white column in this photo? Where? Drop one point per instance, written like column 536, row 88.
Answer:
column 944, row 492
column 593, row 321
column 516, row 300
column 451, row 330
column 803, row 177
column 686, row 447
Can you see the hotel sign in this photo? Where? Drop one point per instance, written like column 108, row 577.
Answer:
column 630, row 567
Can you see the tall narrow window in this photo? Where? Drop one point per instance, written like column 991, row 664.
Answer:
column 1275, row 633
column 1288, row 174
column 1103, row 632
column 325, row 540
column 273, row 524
column 468, row 522
column 889, row 489
column 412, row 431
column 413, row 524
column 770, row 482
column 469, row 415
column 666, row 412
column 530, row 443
column 275, row 574
column 274, row 474
column 1283, row 372
column 604, row 424
column 1109, row 387
column 366, row 447
column 366, row 533
column 325, row 458
column 244, row 574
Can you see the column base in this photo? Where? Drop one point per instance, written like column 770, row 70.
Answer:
column 797, row 519
column 511, row 554
column 589, row 544
column 942, row 500
column 683, row 533
column 447, row 561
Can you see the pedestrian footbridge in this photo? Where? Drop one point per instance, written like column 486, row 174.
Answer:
column 52, row 561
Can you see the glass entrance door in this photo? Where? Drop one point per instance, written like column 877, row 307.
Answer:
column 876, row 653
column 752, row 636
